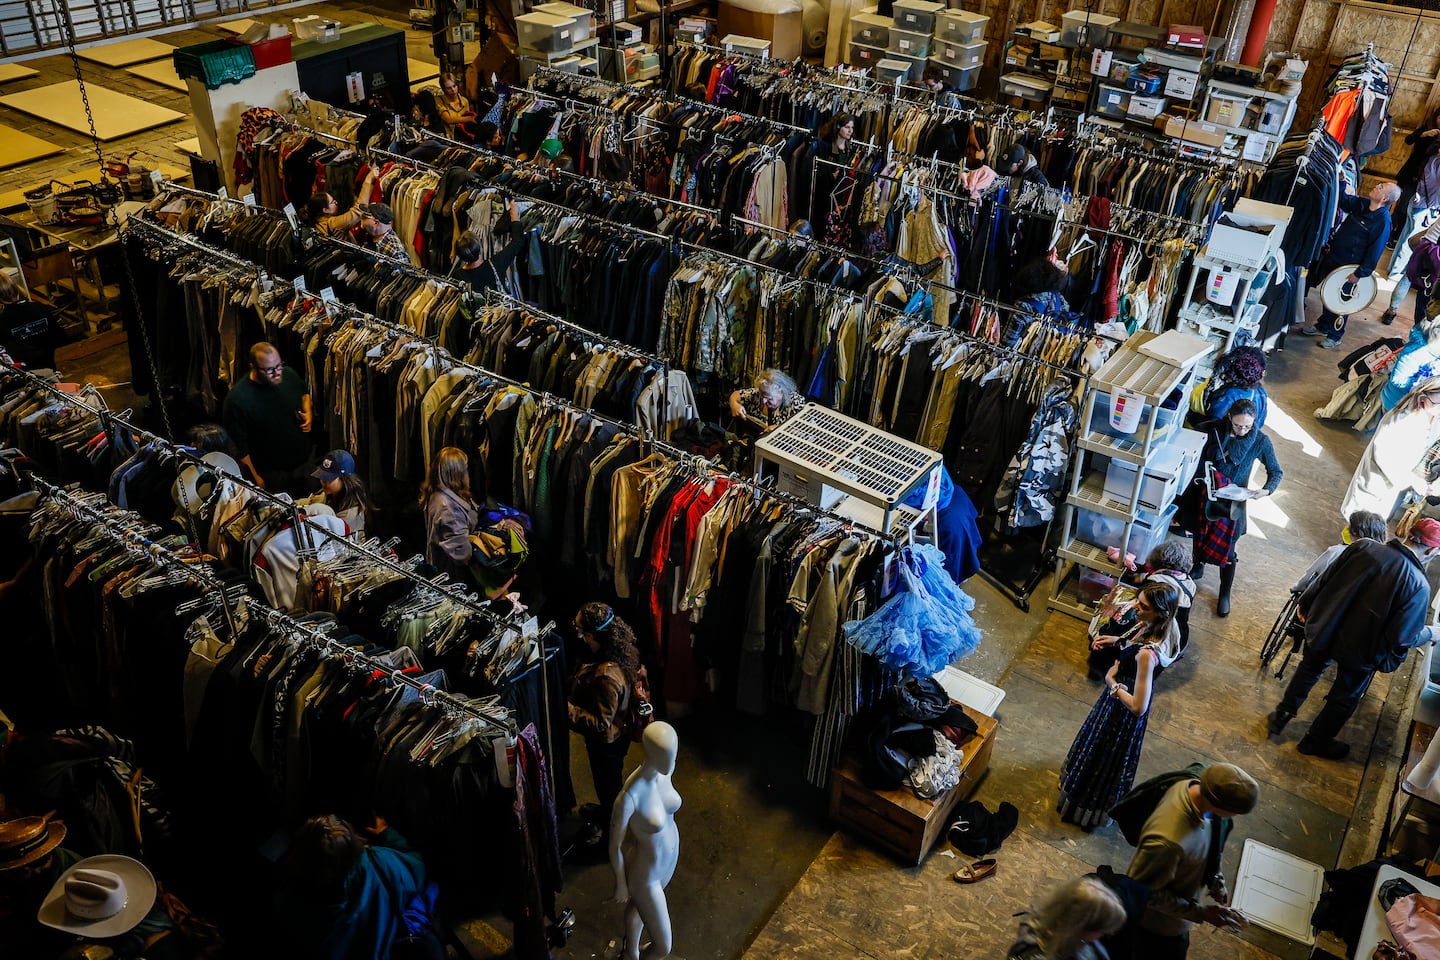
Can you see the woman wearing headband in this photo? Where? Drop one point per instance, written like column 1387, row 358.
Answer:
column 599, row 701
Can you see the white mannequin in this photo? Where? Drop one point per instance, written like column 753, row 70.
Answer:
column 645, row 844
column 1424, row 779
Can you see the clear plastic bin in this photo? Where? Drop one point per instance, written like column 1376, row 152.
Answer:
column 909, row 44
column 960, row 56
column 1025, row 86
column 1146, row 533
column 917, row 15
column 583, row 19
column 545, row 33
column 960, row 26
column 957, row 78
column 1080, row 28
column 1170, row 419
column 888, row 71
column 1111, row 102
column 865, row 56
column 871, row 29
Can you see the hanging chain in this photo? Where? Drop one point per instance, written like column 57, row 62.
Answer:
column 155, row 386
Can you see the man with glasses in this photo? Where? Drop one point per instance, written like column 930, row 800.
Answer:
column 377, row 223
column 268, row 415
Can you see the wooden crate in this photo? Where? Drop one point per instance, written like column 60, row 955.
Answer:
column 897, row 821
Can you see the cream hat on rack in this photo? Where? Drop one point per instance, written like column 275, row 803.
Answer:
column 99, row 897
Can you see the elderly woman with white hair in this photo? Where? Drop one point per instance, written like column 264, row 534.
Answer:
column 1068, row 924
column 769, row 402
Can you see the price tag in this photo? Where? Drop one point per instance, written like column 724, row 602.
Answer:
column 299, row 283
column 932, row 491
column 266, row 283
column 222, row 193
column 328, row 294
column 248, row 199
column 290, row 215
column 156, row 177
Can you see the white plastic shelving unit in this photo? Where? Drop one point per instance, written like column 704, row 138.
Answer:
column 1151, row 367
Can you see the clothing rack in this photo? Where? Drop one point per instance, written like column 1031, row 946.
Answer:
column 1010, row 352
column 501, row 298
column 176, row 451
column 488, row 711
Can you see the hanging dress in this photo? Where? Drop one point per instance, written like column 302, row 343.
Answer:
column 1100, row 768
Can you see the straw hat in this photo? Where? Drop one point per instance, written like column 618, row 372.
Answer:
column 28, row 839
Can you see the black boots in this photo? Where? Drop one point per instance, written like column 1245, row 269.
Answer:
column 1197, row 571
column 1278, row 719
column 1227, row 579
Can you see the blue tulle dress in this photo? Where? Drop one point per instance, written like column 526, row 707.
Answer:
column 1101, row 765
column 926, row 625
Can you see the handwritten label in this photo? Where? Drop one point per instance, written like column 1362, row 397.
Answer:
column 299, row 283
column 248, row 199
column 327, row 294
column 290, row 215
column 222, row 193
column 156, row 177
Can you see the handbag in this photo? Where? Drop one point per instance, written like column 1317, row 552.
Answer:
column 1414, row 922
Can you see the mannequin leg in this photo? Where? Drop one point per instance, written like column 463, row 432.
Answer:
column 1423, row 779
column 633, row 929
column 654, row 913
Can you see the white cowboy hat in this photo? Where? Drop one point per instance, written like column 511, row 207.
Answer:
column 99, row 897
column 1336, row 301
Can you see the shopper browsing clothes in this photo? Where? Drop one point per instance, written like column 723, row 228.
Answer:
column 1068, row 923
column 268, row 416
column 451, row 514
column 1233, row 444
column 342, row 491
column 599, row 701
column 771, row 400
column 1102, row 761
column 324, row 213
column 1359, row 240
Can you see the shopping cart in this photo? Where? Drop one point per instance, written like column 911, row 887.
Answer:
column 1288, row 626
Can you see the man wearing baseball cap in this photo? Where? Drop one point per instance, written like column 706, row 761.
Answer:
column 1364, row 613
column 377, row 223
column 1179, row 855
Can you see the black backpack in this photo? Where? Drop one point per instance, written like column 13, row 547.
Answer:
column 1136, row 806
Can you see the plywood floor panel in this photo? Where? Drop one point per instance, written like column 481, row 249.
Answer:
column 161, row 72
column 116, row 115
column 236, row 26
column 127, row 52
column 17, row 147
column 16, row 71
column 421, row 71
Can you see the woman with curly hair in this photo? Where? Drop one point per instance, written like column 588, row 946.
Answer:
column 1238, row 375
column 600, row 701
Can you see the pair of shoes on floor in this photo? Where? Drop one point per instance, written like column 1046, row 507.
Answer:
column 1324, row 749
column 977, row 871
column 1388, row 317
column 1328, row 344
column 1313, row 331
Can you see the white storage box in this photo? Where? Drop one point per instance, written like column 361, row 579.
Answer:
column 959, row 55
column 1146, row 533
column 1172, row 60
column 1181, row 84
column 865, row 56
column 1242, row 239
column 747, row 46
column 917, row 15
column 582, row 20
column 1024, row 86
column 957, row 78
column 1080, row 28
column 871, row 29
column 909, row 44
column 960, row 26
column 1145, row 108
column 544, row 32
column 1226, row 109
column 1170, row 470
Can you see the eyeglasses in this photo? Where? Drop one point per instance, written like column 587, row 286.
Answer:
column 275, row 369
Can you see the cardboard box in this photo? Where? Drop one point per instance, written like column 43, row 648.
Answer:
column 1204, row 134
column 1039, row 30
column 1145, row 108
column 1179, row 83
column 785, row 31
column 1050, row 51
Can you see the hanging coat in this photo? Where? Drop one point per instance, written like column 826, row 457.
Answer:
column 1034, row 482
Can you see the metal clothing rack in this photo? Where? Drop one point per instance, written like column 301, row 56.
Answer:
column 121, row 525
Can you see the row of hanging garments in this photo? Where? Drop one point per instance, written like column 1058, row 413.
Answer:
column 1140, row 180
column 252, row 711
column 1357, row 111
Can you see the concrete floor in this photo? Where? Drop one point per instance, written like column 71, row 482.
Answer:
column 761, row 874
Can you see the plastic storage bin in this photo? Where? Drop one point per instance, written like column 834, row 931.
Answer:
column 545, row 32
column 960, row 56
column 216, row 62
column 1170, row 420
column 271, row 53
column 583, row 20
column 1080, row 28
column 917, row 15
column 1111, row 101
column 864, row 56
column 746, row 46
column 871, row 29
column 1227, row 110
column 957, row 78
column 960, row 26
column 888, row 71
column 1025, row 86
column 1146, row 533
column 909, row 44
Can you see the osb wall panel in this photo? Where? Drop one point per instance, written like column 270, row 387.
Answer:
column 1313, row 32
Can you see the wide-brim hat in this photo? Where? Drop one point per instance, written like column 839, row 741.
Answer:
column 120, row 888
column 196, row 483
column 1336, row 302
column 27, row 839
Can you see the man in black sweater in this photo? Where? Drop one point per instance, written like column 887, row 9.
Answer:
column 1359, row 240
column 1365, row 613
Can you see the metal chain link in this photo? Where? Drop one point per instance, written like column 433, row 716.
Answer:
column 155, row 386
